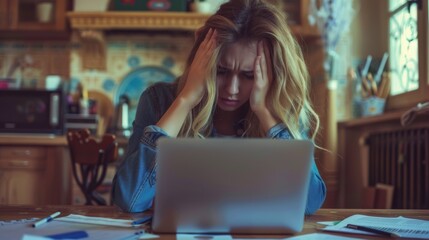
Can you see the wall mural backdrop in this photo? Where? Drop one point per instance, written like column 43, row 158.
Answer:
column 133, row 63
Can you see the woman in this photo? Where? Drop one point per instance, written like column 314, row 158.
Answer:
column 245, row 77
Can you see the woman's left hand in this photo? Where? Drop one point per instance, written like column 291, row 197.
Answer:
column 263, row 77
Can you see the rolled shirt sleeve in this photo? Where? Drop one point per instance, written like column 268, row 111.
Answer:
column 135, row 180
column 133, row 187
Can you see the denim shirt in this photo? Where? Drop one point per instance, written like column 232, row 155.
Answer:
column 134, row 182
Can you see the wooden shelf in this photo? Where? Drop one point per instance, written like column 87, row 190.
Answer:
column 136, row 20
column 126, row 20
column 389, row 116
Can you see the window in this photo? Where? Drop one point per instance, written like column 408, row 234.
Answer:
column 408, row 50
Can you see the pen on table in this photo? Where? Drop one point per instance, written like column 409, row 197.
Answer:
column 371, row 230
column 142, row 220
column 45, row 220
column 69, row 235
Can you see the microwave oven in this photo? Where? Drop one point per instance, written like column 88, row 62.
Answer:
column 32, row 111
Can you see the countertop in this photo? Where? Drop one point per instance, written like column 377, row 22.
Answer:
column 32, row 139
column 42, row 139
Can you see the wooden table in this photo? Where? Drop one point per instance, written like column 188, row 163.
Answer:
column 13, row 212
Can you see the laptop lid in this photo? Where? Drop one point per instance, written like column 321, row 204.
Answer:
column 242, row 186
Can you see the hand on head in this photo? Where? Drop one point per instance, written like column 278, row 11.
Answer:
column 263, row 77
column 194, row 88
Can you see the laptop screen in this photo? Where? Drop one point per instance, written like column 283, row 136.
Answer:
column 218, row 185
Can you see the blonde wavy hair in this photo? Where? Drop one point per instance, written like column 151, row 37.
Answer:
column 288, row 96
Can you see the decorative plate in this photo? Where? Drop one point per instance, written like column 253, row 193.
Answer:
column 137, row 81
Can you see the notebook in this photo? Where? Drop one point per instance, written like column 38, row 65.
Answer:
column 240, row 186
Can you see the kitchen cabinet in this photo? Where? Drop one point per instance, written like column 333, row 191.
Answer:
column 23, row 18
column 34, row 174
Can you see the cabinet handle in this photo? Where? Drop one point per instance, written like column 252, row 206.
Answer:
column 22, row 152
column 18, row 163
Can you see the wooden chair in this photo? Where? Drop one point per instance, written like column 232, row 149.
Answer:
column 90, row 159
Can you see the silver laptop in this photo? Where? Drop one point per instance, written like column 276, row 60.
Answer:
column 240, row 186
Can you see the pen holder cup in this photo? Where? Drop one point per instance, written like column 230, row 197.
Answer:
column 372, row 106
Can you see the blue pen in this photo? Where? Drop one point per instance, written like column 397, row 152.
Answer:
column 69, row 235
column 371, row 230
column 142, row 220
column 45, row 220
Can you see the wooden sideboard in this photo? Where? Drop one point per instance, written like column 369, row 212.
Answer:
column 34, row 170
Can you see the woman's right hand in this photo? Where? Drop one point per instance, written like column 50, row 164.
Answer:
column 194, row 88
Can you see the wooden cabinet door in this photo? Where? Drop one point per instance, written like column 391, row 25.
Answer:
column 22, row 175
column 22, row 186
column 36, row 175
column 19, row 21
column 25, row 15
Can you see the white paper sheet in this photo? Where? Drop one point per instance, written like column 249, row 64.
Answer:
column 148, row 236
column 96, row 220
column 401, row 226
column 202, row 236
column 321, row 236
column 21, row 228
column 32, row 237
column 328, row 223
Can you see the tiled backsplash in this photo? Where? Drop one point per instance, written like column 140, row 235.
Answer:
column 32, row 62
column 133, row 62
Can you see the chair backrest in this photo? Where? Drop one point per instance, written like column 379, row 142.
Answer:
column 85, row 149
column 91, row 157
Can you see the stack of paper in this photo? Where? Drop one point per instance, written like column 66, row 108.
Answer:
column 74, row 218
column 398, row 226
column 94, row 227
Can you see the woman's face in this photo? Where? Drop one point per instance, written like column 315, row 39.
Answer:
column 235, row 73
